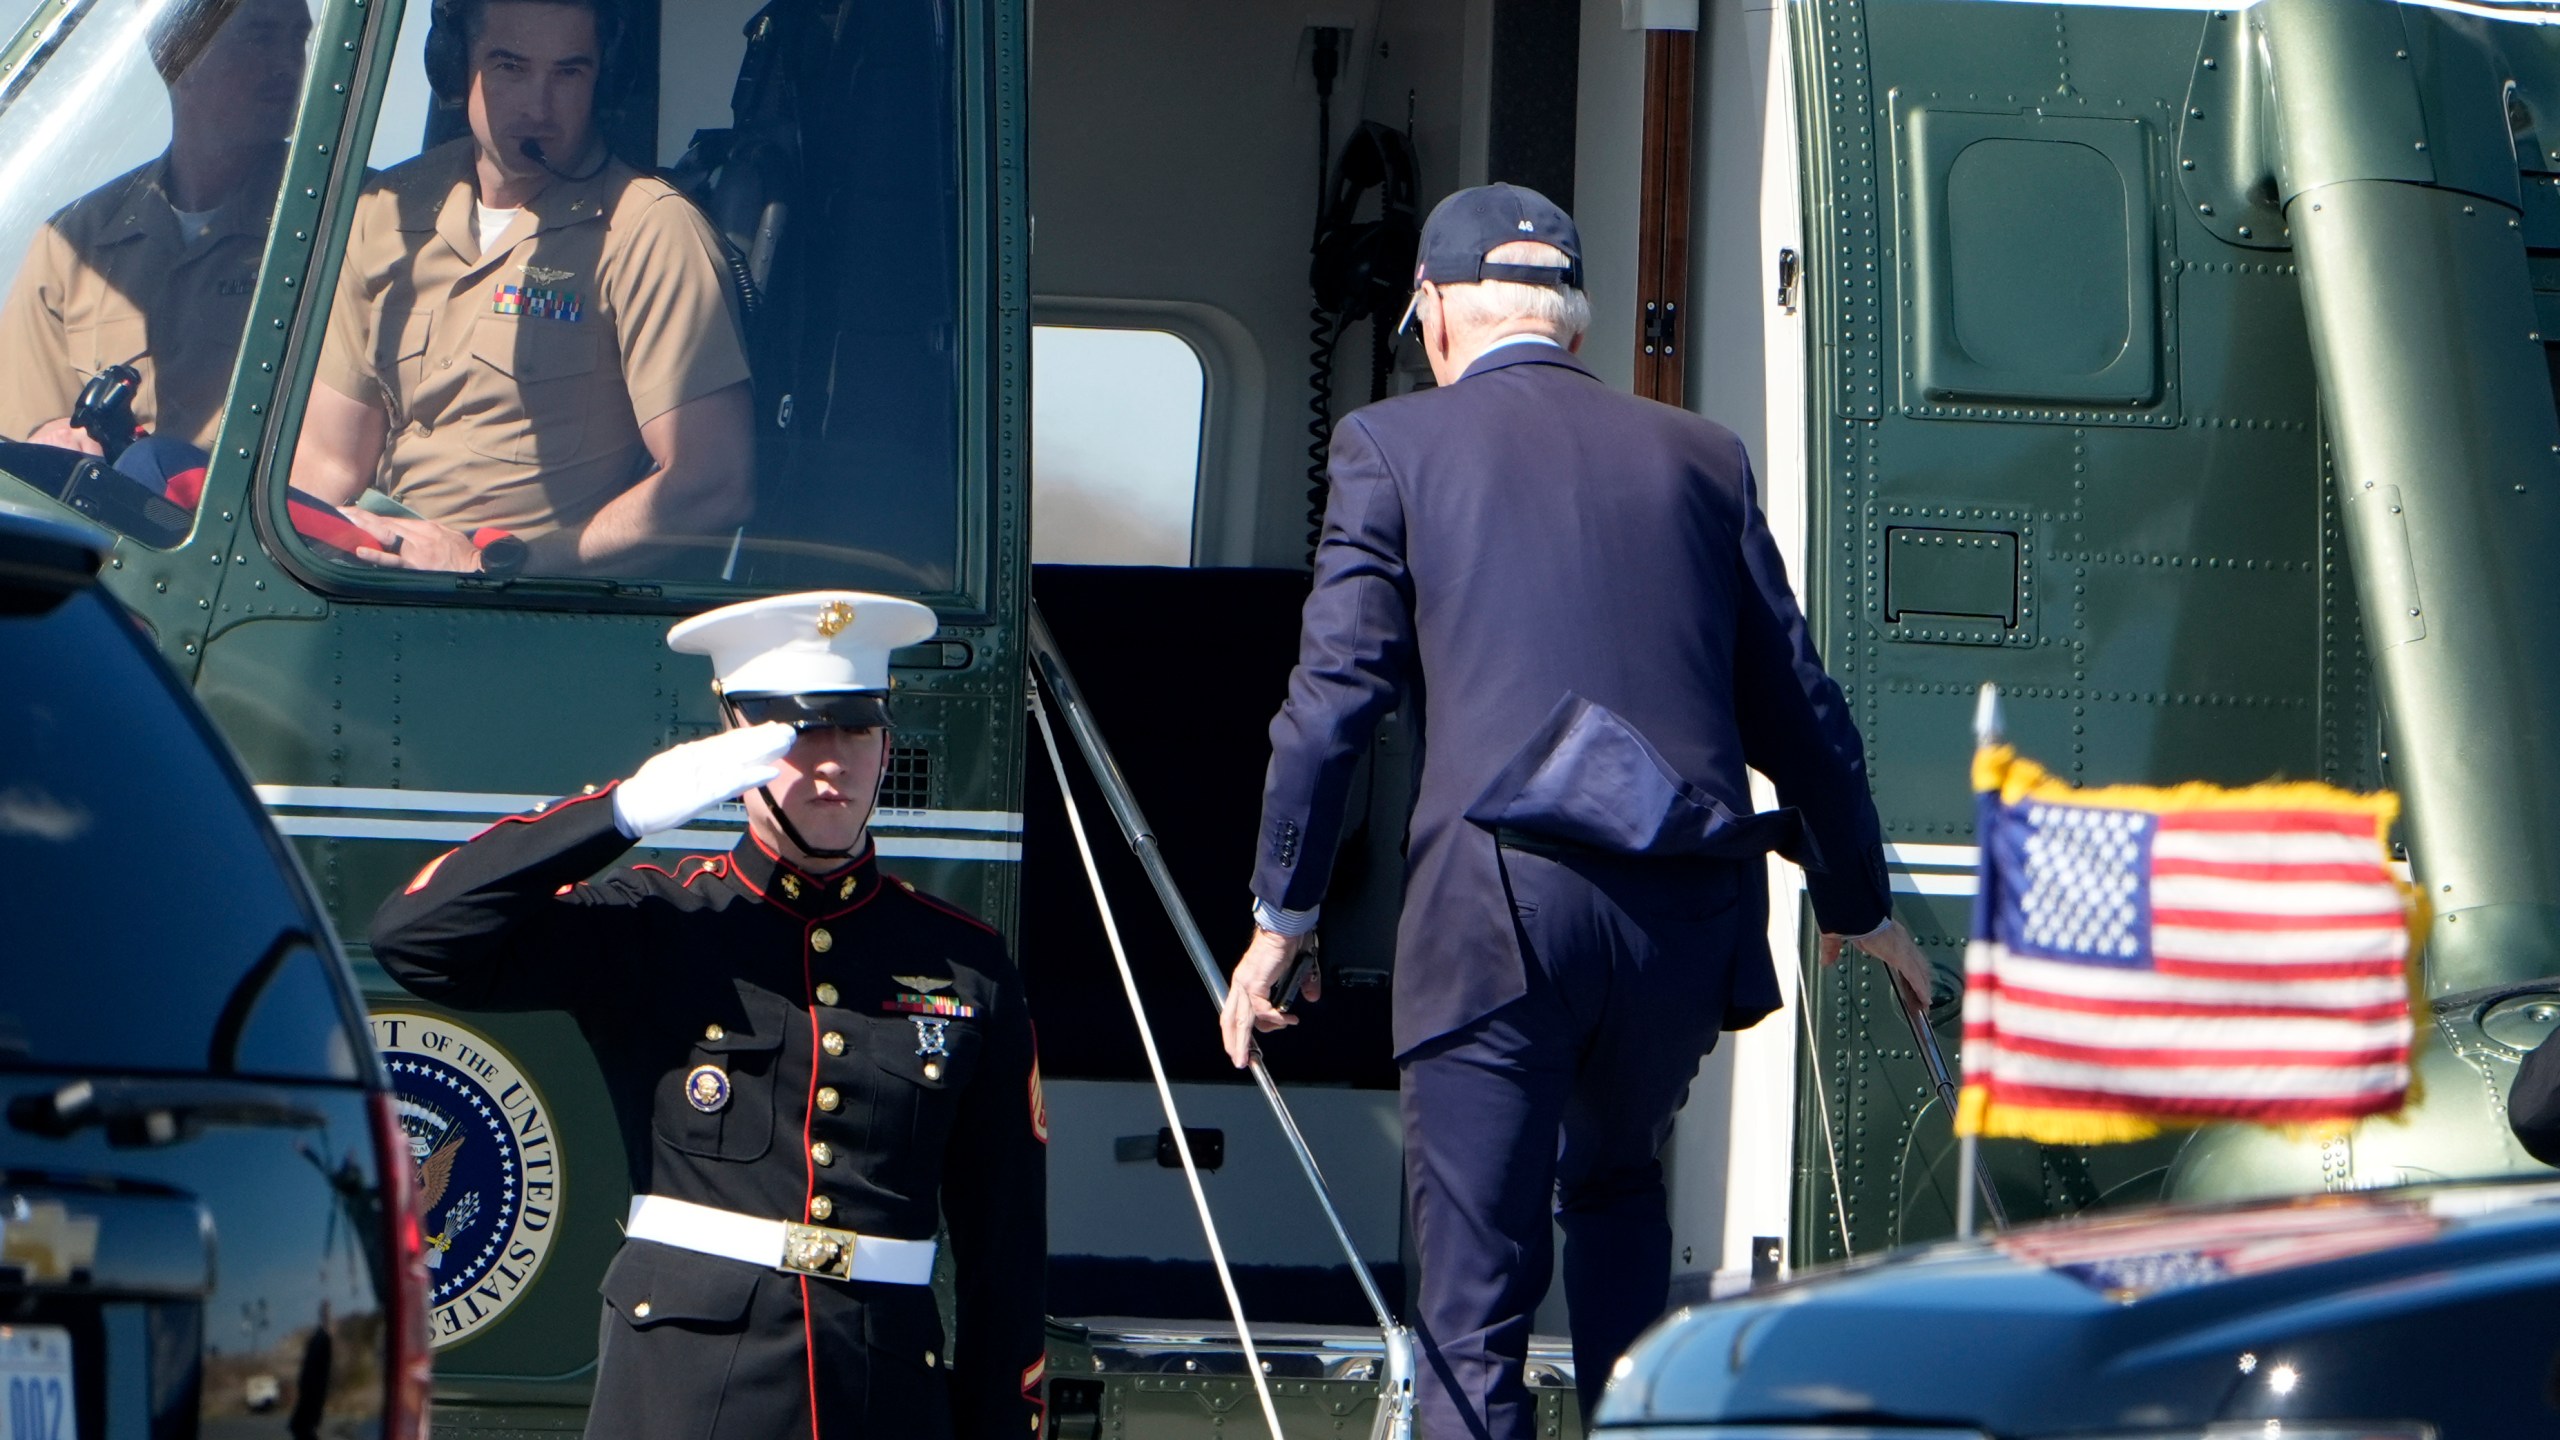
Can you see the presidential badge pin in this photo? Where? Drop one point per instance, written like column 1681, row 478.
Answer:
column 707, row 1087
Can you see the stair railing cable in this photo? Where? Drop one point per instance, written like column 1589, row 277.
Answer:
column 1395, row 1402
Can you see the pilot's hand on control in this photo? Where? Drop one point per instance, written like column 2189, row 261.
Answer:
column 64, row 435
column 407, row 544
column 678, row 784
column 1249, row 1006
column 1891, row 943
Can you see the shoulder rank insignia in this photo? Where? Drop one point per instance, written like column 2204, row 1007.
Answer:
column 926, row 983
column 942, row 1005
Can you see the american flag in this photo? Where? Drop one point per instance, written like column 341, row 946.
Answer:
column 2145, row 956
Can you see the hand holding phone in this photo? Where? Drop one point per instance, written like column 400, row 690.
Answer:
column 1293, row 980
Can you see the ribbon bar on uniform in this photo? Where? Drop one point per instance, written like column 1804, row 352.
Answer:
column 780, row 1244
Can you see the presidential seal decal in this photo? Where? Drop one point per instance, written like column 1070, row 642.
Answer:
column 485, row 1166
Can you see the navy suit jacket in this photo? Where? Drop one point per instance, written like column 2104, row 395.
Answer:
column 1576, row 593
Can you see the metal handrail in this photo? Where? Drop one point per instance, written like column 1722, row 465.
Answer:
column 1395, row 1412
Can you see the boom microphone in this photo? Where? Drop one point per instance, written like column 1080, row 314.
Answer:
column 532, row 150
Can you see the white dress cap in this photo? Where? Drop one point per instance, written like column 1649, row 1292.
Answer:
column 815, row 643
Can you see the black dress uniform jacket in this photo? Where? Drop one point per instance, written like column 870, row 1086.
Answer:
column 806, row 992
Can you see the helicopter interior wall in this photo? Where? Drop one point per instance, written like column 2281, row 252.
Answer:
column 1173, row 165
column 1173, row 161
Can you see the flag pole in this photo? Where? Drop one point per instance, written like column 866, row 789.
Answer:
column 1987, row 732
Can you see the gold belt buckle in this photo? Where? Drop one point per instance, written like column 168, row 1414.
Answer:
column 817, row 1250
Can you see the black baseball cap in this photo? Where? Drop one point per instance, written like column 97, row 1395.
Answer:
column 1472, row 222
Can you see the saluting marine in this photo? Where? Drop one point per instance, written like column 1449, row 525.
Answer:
column 811, row 1060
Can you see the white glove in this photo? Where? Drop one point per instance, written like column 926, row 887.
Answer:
column 679, row 784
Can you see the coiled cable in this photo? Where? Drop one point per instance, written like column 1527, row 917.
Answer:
column 1325, row 327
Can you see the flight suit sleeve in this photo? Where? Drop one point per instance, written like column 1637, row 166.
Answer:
column 672, row 309
column 347, row 349
column 508, row 921
column 1355, row 649
column 1796, row 729
column 995, row 1208
column 35, row 354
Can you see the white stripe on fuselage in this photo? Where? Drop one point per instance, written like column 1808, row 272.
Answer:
column 498, row 803
column 355, row 812
column 708, row 842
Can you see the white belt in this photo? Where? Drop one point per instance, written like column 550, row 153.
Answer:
column 785, row 1245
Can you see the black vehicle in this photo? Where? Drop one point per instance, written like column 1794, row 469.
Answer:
column 205, row 1225
column 2426, row 1313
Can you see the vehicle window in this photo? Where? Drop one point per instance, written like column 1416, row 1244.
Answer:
column 612, row 327
column 1115, row 448
column 152, row 923
column 131, row 255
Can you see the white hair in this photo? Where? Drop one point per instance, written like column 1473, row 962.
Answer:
column 1492, row 302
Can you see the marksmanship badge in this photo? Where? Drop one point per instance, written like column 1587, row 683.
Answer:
column 933, row 1036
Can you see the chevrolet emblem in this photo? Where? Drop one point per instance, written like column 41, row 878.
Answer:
column 833, row 617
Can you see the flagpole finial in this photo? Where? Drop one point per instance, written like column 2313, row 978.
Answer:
column 1987, row 727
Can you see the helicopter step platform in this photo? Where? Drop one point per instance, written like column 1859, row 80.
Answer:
column 1124, row 1379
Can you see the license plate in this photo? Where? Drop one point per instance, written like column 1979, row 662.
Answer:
column 35, row 1382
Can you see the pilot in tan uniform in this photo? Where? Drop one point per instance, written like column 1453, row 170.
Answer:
column 531, row 341
column 154, row 269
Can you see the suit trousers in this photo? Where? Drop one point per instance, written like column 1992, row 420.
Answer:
column 1559, row 1103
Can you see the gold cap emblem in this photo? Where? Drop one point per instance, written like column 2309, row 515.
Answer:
column 833, row 617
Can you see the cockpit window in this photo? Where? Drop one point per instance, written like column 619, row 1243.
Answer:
column 142, row 143
column 594, row 323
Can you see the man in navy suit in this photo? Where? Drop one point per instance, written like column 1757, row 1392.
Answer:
column 1576, row 592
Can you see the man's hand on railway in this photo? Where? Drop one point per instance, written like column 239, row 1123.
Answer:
column 1892, row 944
column 407, row 544
column 679, row 784
column 1249, row 1006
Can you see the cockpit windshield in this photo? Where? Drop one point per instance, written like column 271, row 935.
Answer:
column 660, row 292
column 634, row 290
column 141, row 146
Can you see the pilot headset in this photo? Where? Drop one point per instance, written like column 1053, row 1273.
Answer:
column 448, row 54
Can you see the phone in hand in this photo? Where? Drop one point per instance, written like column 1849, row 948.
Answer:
column 1294, row 979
